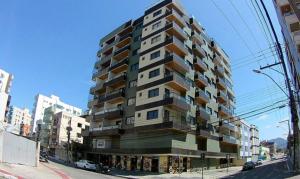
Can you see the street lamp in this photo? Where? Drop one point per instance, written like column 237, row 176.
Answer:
column 260, row 72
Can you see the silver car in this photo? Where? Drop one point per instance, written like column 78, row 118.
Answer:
column 85, row 164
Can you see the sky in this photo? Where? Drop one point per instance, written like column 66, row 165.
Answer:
column 50, row 47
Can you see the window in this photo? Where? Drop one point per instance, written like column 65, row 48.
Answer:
column 137, row 38
column 139, row 114
column 153, row 92
column 152, row 114
column 156, row 25
column 140, row 94
column 141, row 76
column 134, row 67
column 155, row 39
column 155, row 55
column 132, row 83
column 79, row 125
column 154, row 73
column 129, row 120
column 131, row 101
column 208, row 94
column 78, row 135
column 190, row 100
column 209, row 110
column 157, row 13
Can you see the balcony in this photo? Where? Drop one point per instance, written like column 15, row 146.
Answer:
column 174, row 30
column 176, row 102
column 229, row 139
column 105, row 61
column 112, row 113
column 200, row 80
column 115, row 96
column 201, row 97
column 101, row 74
column 222, row 97
column 122, row 53
column 172, row 15
column 221, row 83
column 97, row 88
column 199, row 65
column 175, row 45
column 202, row 114
column 175, row 122
column 198, row 50
column 201, row 132
column 217, row 59
column 176, row 62
column 116, row 81
column 224, row 111
column 124, row 40
column 197, row 38
column 177, row 82
column 113, row 130
column 119, row 66
column 220, row 71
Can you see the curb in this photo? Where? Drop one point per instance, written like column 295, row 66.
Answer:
column 58, row 172
column 8, row 175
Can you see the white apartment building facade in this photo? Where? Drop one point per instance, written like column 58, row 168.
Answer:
column 254, row 142
column 42, row 102
column 59, row 133
column 245, row 142
column 19, row 120
column 5, row 85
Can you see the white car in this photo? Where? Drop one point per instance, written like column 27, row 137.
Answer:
column 85, row 164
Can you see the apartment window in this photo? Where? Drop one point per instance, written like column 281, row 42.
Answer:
column 156, row 25
column 140, row 94
column 78, row 135
column 295, row 26
column 79, row 125
column 134, row 67
column 157, row 13
column 154, row 73
column 129, row 120
column 153, row 92
column 131, row 101
column 190, row 100
column 141, row 76
column 208, row 94
column 155, row 55
column 209, row 110
column 152, row 115
column 155, row 39
column 132, row 83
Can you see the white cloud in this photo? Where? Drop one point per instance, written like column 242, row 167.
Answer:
column 263, row 117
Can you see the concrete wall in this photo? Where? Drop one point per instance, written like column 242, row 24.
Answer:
column 17, row 149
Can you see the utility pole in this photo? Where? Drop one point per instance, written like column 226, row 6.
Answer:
column 293, row 107
column 69, row 129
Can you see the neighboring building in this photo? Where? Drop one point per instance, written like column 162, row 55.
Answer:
column 59, row 135
column 270, row 145
column 288, row 13
column 5, row 85
column 254, row 142
column 264, row 153
column 19, row 120
column 47, row 122
column 245, row 139
column 162, row 95
column 42, row 102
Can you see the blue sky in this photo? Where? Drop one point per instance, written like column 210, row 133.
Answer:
column 51, row 46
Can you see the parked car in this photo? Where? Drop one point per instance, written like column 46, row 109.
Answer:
column 85, row 164
column 43, row 159
column 259, row 162
column 273, row 158
column 248, row 166
column 103, row 168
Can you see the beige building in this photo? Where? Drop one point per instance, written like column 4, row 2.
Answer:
column 163, row 95
column 59, row 136
column 19, row 120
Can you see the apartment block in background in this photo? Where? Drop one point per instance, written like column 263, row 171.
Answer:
column 288, row 13
column 42, row 102
column 5, row 85
column 59, row 134
column 19, row 120
column 162, row 96
column 245, row 152
column 254, row 142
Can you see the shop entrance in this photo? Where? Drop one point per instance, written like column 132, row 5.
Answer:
column 133, row 163
column 154, row 166
column 184, row 164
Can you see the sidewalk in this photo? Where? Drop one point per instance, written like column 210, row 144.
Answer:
column 27, row 172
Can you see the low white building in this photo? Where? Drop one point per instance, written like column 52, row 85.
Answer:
column 5, row 85
column 254, row 142
column 19, row 120
column 245, row 142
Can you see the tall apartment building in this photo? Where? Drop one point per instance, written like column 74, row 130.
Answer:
column 245, row 152
column 163, row 95
column 5, row 85
column 254, row 142
column 288, row 13
column 42, row 102
column 19, row 120
column 59, row 133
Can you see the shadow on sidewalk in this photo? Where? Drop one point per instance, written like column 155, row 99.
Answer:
column 131, row 174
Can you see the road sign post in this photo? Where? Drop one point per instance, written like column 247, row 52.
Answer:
column 202, row 158
column 228, row 158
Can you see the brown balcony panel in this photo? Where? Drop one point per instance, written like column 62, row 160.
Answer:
column 114, row 114
column 221, row 84
column 201, row 97
column 99, row 117
column 122, row 53
column 99, row 101
column 115, row 82
column 176, row 62
column 174, row 30
column 223, row 111
column 119, row 67
column 222, row 98
column 177, row 46
column 176, row 104
column 176, row 82
column 172, row 15
column 115, row 96
column 107, row 132
column 197, row 38
column 220, row 70
column 101, row 74
column 202, row 115
column 198, row 50
column 200, row 65
column 124, row 40
column 200, row 81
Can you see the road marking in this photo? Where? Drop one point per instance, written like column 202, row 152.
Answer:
column 61, row 174
column 10, row 175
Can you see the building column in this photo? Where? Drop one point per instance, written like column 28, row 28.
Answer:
column 188, row 165
column 128, row 163
column 139, row 161
column 113, row 160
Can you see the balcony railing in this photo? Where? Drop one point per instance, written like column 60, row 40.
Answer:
column 172, row 14
column 224, row 111
column 179, row 30
column 120, row 64
column 116, row 79
column 217, row 59
column 177, row 62
column 110, row 113
column 180, row 45
column 201, row 97
column 105, row 128
column 180, row 81
column 115, row 94
column 200, row 80
column 199, row 64
column 178, row 122
column 100, row 72
column 198, row 38
column 220, row 70
column 96, row 87
column 222, row 97
column 221, row 83
column 198, row 50
column 122, row 50
column 177, row 101
column 202, row 114
column 229, row 139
